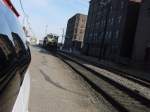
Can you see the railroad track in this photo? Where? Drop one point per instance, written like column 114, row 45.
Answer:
column 121, row 73
column 121, row 97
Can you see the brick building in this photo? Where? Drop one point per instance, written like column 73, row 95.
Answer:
column 141, row 49
column 96, row 26
column 75, row 32
column 111, row 28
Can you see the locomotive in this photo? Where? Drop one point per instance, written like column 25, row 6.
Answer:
column 50, row 42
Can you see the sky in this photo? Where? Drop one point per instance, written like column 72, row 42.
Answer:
column 51, row 13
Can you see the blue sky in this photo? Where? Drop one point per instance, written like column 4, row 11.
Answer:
column 53, row 13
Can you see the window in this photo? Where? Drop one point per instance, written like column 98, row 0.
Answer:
column 119, row 19
column 106, row 35
column 112, row 21
column 103, row 23
column 102, row 34
column 117, row 34
column 80, row 32
column 110, row 34
column 111, row 8
column 122, row 4
column 83, row 20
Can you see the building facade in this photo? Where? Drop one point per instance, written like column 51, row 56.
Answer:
column 96, row 26
column 111, row 28
column 141, row 49
column 75, row 32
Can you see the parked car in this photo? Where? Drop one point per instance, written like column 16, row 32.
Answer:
column 14, row 61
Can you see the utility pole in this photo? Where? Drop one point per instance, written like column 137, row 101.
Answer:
column 46, row 27
column 62, row 39
column 63, row 35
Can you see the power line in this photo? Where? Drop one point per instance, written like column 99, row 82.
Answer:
column 24, row 13
column 23, row 8
column 26, row 18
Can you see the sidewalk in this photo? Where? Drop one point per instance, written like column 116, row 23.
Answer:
column 55, row 87
column 136, row 72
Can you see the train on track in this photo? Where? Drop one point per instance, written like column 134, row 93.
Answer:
column 50, row 42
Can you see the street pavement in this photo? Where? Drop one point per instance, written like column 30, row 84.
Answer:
column 57, row 88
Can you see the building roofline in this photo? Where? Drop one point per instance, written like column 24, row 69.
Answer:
column 77, row 14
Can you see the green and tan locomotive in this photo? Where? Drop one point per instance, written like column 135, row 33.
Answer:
column 50, row 42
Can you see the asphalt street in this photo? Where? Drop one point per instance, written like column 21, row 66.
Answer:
column 57, row 88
